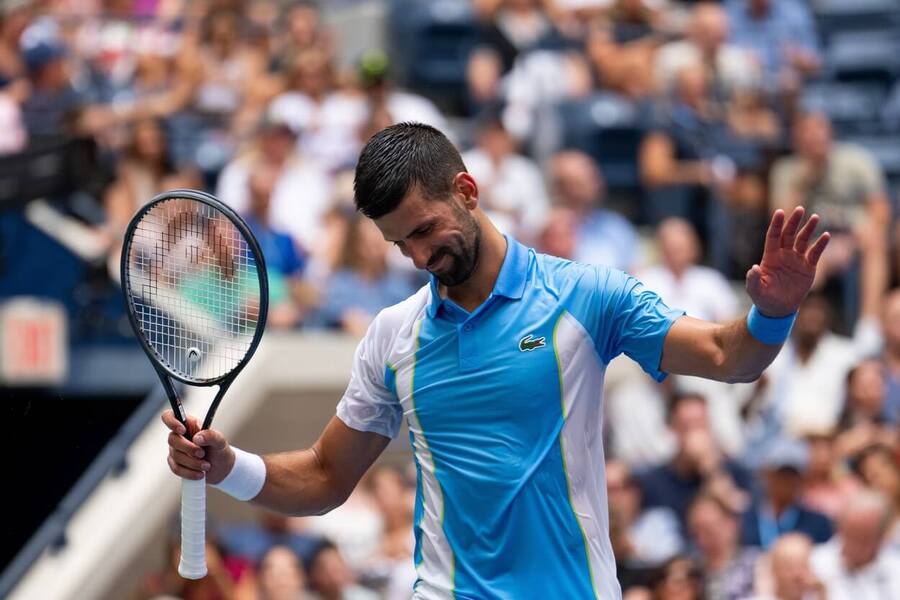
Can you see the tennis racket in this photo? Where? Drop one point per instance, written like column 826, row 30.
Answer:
column 196, row 293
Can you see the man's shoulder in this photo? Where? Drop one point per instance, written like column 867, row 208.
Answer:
column 407, row 310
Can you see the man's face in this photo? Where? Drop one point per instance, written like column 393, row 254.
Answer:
column 439, row 235
column 862, row 534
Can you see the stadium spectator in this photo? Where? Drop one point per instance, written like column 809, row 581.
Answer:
column 15, row 15
column 15, row 136
column 281, row 576
column 685, row 165
column 805, row 384
column 302, row 183
column 698, row 464
column 828, row 483
column 558, row 236
column 845, row 185
column 780, row 510
column 363, row 284
column 145, row 169
column 251, row 541
column 862, row 423
column 511, row 187
column 700, row 291
column 304, row 31
column 855, row 563
column 332, row 579
column 508, row 28
column 230, row 69
column 634, row 20
column 641, row 538
column 706, row 45
column 289, row 297
column 382, row 94
column 603, row 237
column 890, row 355
column 789, row 568
column 730, row 569
column 325, row 117
column 879, row 469
column 782, row 36
column 53, row 104
column 623, row 68
column 228, row 578
column 679, row 579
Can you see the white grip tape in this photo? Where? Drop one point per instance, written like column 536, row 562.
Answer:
column 193, row 529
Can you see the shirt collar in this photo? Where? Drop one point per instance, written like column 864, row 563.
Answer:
column 510, row 281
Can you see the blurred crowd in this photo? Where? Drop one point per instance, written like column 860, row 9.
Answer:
column 654, row 136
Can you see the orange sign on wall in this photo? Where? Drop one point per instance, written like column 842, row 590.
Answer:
column 33, row 347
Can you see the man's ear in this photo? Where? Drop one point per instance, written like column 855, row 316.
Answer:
column 466, row 186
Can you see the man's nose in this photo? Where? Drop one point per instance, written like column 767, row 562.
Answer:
column 419, row 253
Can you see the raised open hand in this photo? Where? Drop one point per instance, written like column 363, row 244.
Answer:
column 781, row 281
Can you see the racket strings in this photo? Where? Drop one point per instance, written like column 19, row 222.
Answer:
column 194, row 286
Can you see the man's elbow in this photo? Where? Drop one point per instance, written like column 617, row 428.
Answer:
column 728, row 372
column 748, row 377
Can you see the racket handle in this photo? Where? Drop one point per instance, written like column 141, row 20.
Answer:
column 193, row 529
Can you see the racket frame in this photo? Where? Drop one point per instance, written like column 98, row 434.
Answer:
column 164, row 372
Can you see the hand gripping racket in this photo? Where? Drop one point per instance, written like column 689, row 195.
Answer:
column 196, row 293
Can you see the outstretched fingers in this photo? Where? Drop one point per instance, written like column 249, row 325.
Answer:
column 773, row 236
column 790, row 228
column 815, row 252
column 802, row 242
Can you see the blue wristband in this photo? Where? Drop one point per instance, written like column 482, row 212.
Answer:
column 769, row 330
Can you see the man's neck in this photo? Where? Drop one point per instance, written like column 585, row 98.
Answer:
column 476, row 289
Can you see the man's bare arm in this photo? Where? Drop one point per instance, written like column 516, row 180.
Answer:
column 319, row 479
column 777, row 286
column 302, row 482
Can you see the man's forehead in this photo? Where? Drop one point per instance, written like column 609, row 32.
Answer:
column 412, row 211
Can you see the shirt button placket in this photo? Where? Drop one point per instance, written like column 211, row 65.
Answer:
column 468, row 349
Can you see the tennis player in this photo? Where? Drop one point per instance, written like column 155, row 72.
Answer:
column 497, row 366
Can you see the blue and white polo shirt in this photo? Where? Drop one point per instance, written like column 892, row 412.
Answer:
column 504, row 411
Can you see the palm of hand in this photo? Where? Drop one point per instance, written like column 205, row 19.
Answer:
column 785, row 274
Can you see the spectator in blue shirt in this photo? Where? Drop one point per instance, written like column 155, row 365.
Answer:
column 782, row 34
column 285, row 262
column 780, row 510
column 602, row 237
column 363, row 284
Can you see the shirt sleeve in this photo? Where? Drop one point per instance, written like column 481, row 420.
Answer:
column 368, row 404
column 622, row 316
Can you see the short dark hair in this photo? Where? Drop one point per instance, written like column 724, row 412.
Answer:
column 679, row 398
column 398, row 158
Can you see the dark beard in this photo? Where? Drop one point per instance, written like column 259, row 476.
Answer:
column 463, row 258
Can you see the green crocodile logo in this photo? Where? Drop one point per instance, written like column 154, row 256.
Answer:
column 529, row 343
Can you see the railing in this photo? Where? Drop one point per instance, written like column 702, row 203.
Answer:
column 51, row 536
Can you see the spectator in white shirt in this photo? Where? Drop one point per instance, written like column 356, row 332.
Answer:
column 511, row 187
column 806, row 382
column 700, row 291
column 730, row 67
column 703, row 293
column 853, row 565
column 303, row 191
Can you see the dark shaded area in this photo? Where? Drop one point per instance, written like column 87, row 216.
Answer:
column 48, row 441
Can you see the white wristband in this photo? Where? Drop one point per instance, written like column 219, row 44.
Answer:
column 246, row 478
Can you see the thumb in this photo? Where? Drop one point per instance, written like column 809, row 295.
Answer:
column 211, row 438
column 754, row 280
